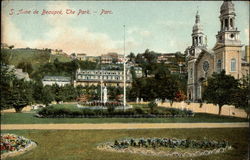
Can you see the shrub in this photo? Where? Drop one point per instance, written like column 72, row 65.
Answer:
column 111, row 108
column 139, row 110
column 152, row 105
column 73, row 111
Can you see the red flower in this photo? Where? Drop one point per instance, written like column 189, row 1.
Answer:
column 3, row 148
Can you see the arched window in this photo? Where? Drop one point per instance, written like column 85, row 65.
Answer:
column 219, row 66
column 231, row 22
column 226, row 23
column 233, row 65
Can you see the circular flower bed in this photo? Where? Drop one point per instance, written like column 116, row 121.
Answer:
column 13, row 145
column 166, row 146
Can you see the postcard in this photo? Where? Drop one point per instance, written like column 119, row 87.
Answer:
column 127, row 80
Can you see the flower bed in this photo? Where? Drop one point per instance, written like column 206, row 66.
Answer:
column 13, row 145
column 167, row 147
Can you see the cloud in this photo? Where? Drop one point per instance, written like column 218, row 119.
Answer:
column 139, row 32
column 10, row 33
column 173, row 25
column 64, row 36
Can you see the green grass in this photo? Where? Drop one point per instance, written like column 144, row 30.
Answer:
column 81, row 145
column 28, row 118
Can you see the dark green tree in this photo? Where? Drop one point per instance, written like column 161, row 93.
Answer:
column 58, row 93
column 42, row 94
column 26, row 67
column 37, row 91
column 167, row 88
column 131, row 57
column 7, row 78
column 219, row 89
column 241, row 97
column 20, row 94
column 47, row 95
column 69, row 92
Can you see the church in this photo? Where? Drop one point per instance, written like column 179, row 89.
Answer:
column 225, row 55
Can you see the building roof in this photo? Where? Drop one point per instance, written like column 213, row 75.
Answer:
column 227, row 7
column 56, row 78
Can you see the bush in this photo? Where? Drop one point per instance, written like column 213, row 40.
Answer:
column 73, row 111
column 111, row 108
column 139, row 111
column 152, row 105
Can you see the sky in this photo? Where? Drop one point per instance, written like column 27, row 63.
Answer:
column 160, row 26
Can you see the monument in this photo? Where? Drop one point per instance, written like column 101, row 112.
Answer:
column 105, row 97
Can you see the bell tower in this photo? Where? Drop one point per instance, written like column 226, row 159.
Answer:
column 227, row 49
column 199, row 42
column 198, row 38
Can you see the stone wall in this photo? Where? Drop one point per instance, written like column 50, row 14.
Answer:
column 227, row 110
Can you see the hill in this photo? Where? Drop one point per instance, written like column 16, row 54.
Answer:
column 36, row 57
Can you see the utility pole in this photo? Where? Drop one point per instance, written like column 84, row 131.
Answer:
column 101, row 85
column 124, row 72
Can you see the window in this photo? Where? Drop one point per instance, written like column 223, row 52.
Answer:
column 231, row 22
column 233, row 65
column 205, row 66
column 226, row 23
column 219, row 66
column 191, row 73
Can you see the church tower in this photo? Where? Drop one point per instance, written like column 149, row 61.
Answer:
column 199, row 42
column 227, row 50
column 198, row 38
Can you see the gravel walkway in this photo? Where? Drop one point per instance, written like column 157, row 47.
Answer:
column 121, row 126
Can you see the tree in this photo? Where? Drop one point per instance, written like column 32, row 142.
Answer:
column 241, row 97
column 37, row 91
column 58, row 93
column 11, row 47
column 4, row 57
column 47, row 96
column 131, row 57
column 69, row 92
column 6, row 83
column 152, row 105
column 167, row 88
column 15, row 93
column 219, row 89
column 20, row 94
column 160, row 71
column 42, row 94
column 26, row 67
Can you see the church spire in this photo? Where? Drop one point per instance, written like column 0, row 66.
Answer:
column 197, row 36
column 197, row 17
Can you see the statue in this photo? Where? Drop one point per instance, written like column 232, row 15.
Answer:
column 105, row 97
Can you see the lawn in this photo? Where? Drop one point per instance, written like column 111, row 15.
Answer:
column 28, row 118
column 76, row 145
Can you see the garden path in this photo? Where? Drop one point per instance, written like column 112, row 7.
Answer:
column 105, row 126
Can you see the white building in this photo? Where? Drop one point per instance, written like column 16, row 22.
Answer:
column 59, row 80
column 19, row 73
column 109, row 77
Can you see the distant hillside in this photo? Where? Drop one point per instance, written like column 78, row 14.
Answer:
column 35, row 56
